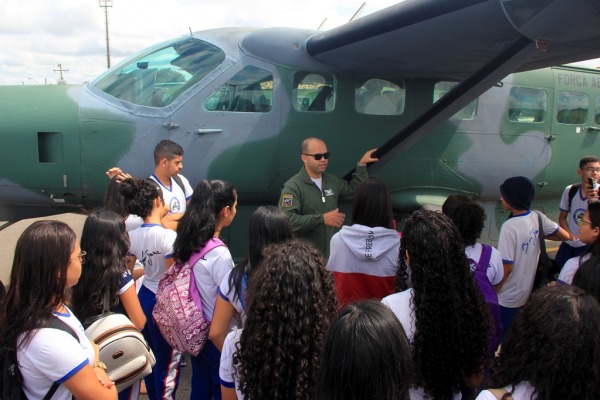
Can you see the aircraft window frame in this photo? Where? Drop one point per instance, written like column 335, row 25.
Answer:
column 379, row 96
column 567, row 110
column 158, row 76
column 249, row 90
column 597, row 115
column 313, row 92
column 527, row 105
column 467, row 113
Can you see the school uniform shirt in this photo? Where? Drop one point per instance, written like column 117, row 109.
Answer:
column 54, row 355
column 519, row 245
column 230, row 295
column 174, row 196
column 364, row 261
column 495, row 269
column 523, row 391
column 227, row 373
column 152, row 245
column 133, row 222
column 567, row 273
column 579, row 205
column 209, row 272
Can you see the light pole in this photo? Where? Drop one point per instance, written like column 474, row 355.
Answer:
column 105, row 4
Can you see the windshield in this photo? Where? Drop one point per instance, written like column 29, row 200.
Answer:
column 159, row 75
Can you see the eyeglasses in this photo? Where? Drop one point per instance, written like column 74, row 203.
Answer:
column 590, row 169
column 581, row 221
column 80, row 257
column 318, row 156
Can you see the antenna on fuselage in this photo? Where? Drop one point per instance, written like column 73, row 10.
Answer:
column 322, row 24
column 358, row 12
column 190, row 28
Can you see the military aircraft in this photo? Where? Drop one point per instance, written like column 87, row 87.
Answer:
column 411, row 79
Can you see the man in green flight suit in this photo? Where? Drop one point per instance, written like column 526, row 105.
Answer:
column 310, row 198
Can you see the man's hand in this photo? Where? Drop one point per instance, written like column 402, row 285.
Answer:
column 334, row 218
column 592, row 195
column 368, row 157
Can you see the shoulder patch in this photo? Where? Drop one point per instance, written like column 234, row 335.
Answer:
column 287, row 200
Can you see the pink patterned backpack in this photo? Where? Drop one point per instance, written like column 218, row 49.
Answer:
column 178, row 310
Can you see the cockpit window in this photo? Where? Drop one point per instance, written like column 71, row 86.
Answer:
column 467, row 113
column 250, row 90
column 313, row 91
column 378, row 96
column 161, row 74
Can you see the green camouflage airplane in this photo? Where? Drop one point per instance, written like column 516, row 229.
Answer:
column 413, row 80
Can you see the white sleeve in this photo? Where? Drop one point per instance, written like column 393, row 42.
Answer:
column 550, row 227
column 188, row 191
column 564, row 200
column 486, row 395
column 226, row 369
column 507, row 245
column 495, row 271
column 167, row 241
column 221, row 266
column 569, row 270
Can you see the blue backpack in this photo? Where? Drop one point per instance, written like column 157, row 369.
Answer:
column 488, row 292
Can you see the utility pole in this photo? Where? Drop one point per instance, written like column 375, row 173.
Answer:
column 105, row 4
column 60, row 69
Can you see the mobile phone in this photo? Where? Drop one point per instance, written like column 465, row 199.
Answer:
column 590, row 183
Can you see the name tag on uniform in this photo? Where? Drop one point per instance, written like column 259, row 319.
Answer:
column 328, row 192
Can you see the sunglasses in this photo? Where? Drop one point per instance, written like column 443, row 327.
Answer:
column 318, row 156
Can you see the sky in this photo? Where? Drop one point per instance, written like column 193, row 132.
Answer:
column 38, row 35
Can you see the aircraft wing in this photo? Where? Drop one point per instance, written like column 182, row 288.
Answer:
column 449, row 39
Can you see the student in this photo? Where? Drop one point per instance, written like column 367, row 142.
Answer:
column 443, row 314
column 291, row 303
column 113, row 201
column 267, row 224
column 153, row 246
column 48, row 261
column 469, row 218
column 552, row 350
column 106, row 244
column 519, row 245
column 212, row 208
column 366, row 356
column 364, row 256
column 589, row 231
column 573, row 203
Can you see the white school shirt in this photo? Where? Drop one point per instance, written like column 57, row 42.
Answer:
column 227, row 373
column 578, row 206
column 230, row 295
column 54, row 355
column 519, row 245
column 209, row 272
column 568, row 271
column 523, row 391
column 174, row 196
column 152, row 245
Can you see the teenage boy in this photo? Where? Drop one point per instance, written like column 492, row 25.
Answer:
column 519, row 245
column 573, row 203
column 168, row 160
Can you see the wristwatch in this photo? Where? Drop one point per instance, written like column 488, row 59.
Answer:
column 99, row 364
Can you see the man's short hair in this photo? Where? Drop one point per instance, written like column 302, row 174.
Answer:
column 167, row 149
column 305, row 142
column 588, row 159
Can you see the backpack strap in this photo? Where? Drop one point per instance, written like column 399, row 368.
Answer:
column 57, row 323
column 484, row 258
column 572, row 192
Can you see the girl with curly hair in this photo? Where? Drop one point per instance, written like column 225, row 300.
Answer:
column 268, row 224
column 366, row 356
column 48, row 261
column 153, row 246
column 106, row 243
column 552, row 350
column 364, row 256
column 443, row 314
column 291, row 302
column 589, row 231
column 211, row 208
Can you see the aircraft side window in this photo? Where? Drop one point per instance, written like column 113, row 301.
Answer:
column 313, row 92
column 466, row 113
column 377, row 96
column 597, row 119
column 250, row 90
column 572, row 107
column 157, row 76
column 527, row 105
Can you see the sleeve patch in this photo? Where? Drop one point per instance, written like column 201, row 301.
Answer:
column 287, row 200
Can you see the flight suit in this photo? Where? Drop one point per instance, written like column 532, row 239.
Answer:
column 304, row 204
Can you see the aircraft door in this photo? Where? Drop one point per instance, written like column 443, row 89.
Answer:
column 231, row 127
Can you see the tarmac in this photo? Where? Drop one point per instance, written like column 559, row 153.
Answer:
column 10, row 233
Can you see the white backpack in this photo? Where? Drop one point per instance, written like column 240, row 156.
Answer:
column 127, row 356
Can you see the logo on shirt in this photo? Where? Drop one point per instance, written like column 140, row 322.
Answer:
column 287, row 200
column 328, row 192
column 175, row 205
